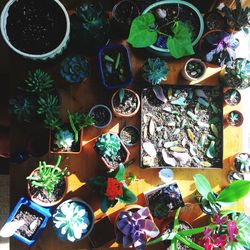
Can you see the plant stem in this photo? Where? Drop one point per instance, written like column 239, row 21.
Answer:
column 58, row 160
column 73, row 127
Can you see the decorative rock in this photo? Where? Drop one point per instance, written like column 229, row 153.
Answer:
column 166, row 175
column 148, row 161
column 161, row 13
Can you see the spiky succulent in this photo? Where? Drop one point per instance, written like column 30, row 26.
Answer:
column 48, row 104
column 234, row 117
column 155, row 70
column 38, row 82
column 64, row 139
column 243, row 161
column 71, row 221
column 52, row 122
column 22, row 108
column 108, row 145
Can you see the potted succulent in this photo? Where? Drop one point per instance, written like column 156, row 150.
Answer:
column 155, row 70
column 214, row 20
column 73, row 220
column 163, row 199
column 123, row 13
column 47, row 184
column 75, row 69
column 210, row 202
column 242, row 162
column 194, row 69
column 234, row 176
column 115, row 66
column 101, row 115
column 234, row 118
column 90, row 27
column 129, row 135
column 125, row 103
column 134, row 226
column 167, row 28
column 237, row 75
column 112, row 188
column 35, row 30
column 111, row 150
column 26, row 221
column 232, row 97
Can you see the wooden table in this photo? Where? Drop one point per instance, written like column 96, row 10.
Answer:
column 87, row 164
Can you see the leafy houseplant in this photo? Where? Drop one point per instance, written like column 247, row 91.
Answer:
column 47, row 184
column 155, row 71
column 135, row 227
column 210, row 203
column 242, row 162
column 235, row 118
column 112, row 188
column 232, row 97
column 73, row 220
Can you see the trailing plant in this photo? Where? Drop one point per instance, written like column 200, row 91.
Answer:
column 64, row 139
column 48, row 104
column 48, row 177
column 232, row 193
column 144, row 33
column 112, row 188
column 242, row 160
column 135, row 227
column 155, row 70
column 71, row 220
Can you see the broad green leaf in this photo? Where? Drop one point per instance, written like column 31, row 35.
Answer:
column 202, row 185
column 143, row 32
column 118, row 173
column 105, row 204
column 97, row 183
column 173, row 245
column 127, row 196
column 235, row 191
column 180, row 44
column 176, row 220
column 211, row 198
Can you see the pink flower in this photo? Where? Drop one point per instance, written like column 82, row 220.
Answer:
column 219, row 220
column 219, row 241
column 232, row 230
column 206, row 243
column 207, row 233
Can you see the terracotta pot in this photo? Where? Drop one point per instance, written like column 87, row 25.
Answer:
column 189, row 77
column 239, row 123
column 234, row 162
column 117, row 114
column 41, row 203
column 126, row 143
column 227, row 101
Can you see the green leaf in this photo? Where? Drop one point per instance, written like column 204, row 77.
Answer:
column 143, row 32
column 164, row 236
column 176, row 220
column 105, row 204
column 235, row 191
column 202, row 185
column 121, row 94
column 118, row 173
column 180, row 44
column 173, row 245
column 127, row 197
column 211, row 198
column 97, row 183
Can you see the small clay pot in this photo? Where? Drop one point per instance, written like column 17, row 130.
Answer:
column 192, row 74
column 232, row 123
column 237, row 163
column 232, row 101
column 129, row 135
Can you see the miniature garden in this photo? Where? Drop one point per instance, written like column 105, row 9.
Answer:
column 121, row 136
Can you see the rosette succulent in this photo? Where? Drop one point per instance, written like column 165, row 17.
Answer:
column 64, row 139
column 71, row 221
column 135, row 228
column 242, row 162
column 155, row 70
column 75, row 69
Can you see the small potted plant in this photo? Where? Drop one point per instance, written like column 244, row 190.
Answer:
column 26, row 221
column 214, row 20
column 194, row 69
column 154, row 71
column 234, row 118
column 129, row 135
column 134, row 226
column 234, row 176
column 210, row 202
column 115, row 66
column 237, row 75
column 75, row 69
column 112, row 188
column 242, row 162
column 47, row 184
column 112, row 150
column 73, row 220
column 232, row 97
column 125, row 103
column 101, row 115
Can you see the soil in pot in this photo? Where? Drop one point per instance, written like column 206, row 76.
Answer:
column 101, row 116
column 185, row 131
column 115, row 66
column 195, row 69
column 32, row 25
column 126, row 105
column 129, row 135
column 32, row 220
column 232, row 97
column 214, row 20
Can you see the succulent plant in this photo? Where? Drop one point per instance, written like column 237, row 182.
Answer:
column 22, row 108
column 234, row 117
column 52, row 122
column 242, row 161
column 108, row 145
column 135, row 228
column 38, row 82
column 75, row 69
column 64, row 139
column 71, row 220
column 48, row 104
column 155, row 70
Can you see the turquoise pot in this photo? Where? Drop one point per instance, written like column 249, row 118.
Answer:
column 165, row 52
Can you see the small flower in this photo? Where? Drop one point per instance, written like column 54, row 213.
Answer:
column 219, row 241
column 114, row 189
column 219, row 220
column 232, row 230
column 206, row 243
column 207, row 233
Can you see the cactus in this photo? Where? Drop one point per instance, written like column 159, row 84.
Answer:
column 71, row 221
column 64, row 139
column 155, row 70
column 108, row 145
column 48, row 104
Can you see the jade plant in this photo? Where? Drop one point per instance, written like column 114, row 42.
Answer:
column 135, row 227
column 144, row 33
column 155, row 70
column 232, row 193
column 71, row 221
column 112, row 188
